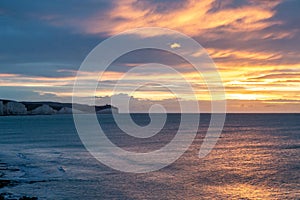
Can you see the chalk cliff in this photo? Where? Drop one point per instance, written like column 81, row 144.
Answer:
column 108, row 111
column 8, row 107
column 13, row 108
column 66, row 110
column 43, row 110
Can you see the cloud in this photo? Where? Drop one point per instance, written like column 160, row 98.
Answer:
column 255, row 45
column 192, row 17
column 281, row 76
column 231, row 56
column 137, row 105
column 235, row 106
column 27, row 94
column 175, row 45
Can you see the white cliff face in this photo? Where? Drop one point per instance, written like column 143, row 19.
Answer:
column 108, row 111
column 43, row 110
column 1, row 108
column 66, row 110
column 14, row 108
column 8, row 107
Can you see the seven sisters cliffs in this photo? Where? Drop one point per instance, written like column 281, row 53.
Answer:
column 9, row 107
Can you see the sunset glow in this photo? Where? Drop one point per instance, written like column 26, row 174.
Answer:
column 252, row 44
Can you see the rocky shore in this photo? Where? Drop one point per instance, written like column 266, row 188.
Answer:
column 9, row 183
column 9, row 107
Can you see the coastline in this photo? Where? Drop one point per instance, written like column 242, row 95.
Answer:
column 4, row 182
column 10, row 107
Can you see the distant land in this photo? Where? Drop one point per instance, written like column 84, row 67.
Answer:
column 10, row 107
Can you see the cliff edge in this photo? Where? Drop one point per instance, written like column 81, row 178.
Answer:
column 9, row 107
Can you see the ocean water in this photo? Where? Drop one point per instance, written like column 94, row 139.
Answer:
column 256, row 157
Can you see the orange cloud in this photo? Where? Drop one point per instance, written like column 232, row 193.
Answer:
column 193, row 18
column 242, row 54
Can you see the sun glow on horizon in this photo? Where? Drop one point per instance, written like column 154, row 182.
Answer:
column 248, row 42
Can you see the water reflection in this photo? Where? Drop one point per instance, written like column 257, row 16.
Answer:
column 257, row 157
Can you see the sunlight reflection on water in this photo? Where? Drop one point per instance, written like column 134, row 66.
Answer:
column 257, row 157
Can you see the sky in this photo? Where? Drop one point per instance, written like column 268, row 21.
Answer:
column 254, row 45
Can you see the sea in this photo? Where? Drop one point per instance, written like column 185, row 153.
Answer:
column 257, row 156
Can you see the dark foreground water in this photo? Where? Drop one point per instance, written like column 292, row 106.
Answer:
column 257, row 157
